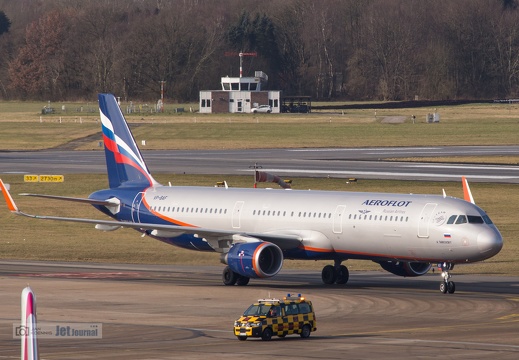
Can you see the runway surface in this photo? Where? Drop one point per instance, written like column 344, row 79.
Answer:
column 172, row 312
column 337, row 162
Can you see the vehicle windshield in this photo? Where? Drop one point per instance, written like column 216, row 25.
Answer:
column 257, row 310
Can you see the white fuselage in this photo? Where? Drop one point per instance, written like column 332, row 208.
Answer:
column 373, row 226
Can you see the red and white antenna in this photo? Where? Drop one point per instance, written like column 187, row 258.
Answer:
column 241, row 55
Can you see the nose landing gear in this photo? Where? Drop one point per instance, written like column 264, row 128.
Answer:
column 447, row 286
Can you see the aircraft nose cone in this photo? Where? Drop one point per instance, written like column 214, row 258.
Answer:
column 490, row 242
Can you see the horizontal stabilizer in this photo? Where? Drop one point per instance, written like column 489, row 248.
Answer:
column 108, row 203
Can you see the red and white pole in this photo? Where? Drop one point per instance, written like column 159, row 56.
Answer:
column 28, row 326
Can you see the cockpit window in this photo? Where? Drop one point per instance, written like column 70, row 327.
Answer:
column 487, row 220
column 475, row 219
column 471, row 219
column 462, row 219
column 451, row 219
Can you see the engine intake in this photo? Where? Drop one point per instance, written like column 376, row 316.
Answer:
column 255, row 259
column 406, row 269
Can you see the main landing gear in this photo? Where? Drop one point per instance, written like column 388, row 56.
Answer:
column 335, row 274
column 447, row 286
column 230, row 278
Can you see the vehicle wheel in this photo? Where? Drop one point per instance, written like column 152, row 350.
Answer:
column 242, row 338
column 451, row 287
column 443, row 287
column 267, row 334
column 229, row 277
column 343, row 275
column 242, row 280
column 328, row 274
column 305, row 332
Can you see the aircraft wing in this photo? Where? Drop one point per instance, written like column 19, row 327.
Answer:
column 217, row 238
column 213, row 236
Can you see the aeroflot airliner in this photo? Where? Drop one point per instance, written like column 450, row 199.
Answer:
column 255, row 230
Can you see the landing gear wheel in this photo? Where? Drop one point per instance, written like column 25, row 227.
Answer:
column 343, row 275
column 446, row 285
column 443, row 287
column 242, row 338
column 329, row 275
column 451, row 287
column 229, row 277
column 242, row 280
column 305, row 332
column 267, row 334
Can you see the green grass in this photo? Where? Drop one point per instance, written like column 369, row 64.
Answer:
column 24, row 238
column 21, row 136
column 23, row 127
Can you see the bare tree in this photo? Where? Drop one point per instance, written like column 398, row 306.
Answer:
column 356, row 49
column 505, row 32
column 37, row 69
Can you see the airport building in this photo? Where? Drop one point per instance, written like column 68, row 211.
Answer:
column 240, row 95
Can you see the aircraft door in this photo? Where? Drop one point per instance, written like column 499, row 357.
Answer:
column 137, row 201
column 236, row 214
column 337, row 219
column 425, row 220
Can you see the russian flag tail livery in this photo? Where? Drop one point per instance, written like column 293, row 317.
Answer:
column 124, row 160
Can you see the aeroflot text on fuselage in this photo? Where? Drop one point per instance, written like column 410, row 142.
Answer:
column 396, row 203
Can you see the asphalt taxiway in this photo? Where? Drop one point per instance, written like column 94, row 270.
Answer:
column 185, row 312
column 307, row 162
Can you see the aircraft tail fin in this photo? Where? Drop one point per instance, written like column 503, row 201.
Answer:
column 467, row 194
column 124, row 161
column 29, row 340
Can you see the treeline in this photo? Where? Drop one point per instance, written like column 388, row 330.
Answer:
column 328, row 49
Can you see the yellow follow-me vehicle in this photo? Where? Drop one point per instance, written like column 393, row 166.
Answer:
column 268, row 317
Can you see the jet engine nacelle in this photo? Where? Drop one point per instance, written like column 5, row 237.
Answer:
column 259, row 259
column 407, row 269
